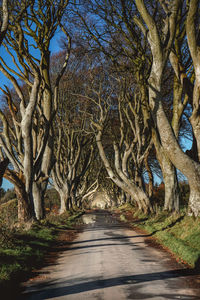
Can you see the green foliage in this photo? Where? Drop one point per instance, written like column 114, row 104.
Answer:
column 8, row 213
column 51, row 200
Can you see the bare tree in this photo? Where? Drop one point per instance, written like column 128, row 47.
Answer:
column 73, row 149
column 28, row 141
column 116, row 35
column 71, row 165
column 102, row 96
column 160, row 50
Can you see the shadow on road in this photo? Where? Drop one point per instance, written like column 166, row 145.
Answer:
column 57, row 289
column 107, row 239
column 134, row 285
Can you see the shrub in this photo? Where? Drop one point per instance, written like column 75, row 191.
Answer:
column 8, row 213
column 9, row 195
column 52, row 200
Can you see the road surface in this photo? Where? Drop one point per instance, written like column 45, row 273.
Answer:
column 109, row 261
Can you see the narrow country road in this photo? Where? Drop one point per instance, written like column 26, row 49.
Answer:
column 108, row 261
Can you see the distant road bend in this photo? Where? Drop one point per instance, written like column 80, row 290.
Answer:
column 109, row 261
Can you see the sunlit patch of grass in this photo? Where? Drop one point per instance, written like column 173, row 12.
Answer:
column 25, row 250
column 178, row 232
column 64, row 221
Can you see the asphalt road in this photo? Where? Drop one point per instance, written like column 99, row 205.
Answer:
column 109, row 261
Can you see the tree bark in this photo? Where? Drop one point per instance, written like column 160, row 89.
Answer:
column 150, row 176
column 171, row 201
column 4, row 20
column 25, row 211
column 3, row 166
column 38, row 201
column 63, row 202
column 171, row 187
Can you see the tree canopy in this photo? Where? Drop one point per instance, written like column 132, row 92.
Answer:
column 116, row 107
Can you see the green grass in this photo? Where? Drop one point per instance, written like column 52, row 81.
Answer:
column 123, row 218
column 177, row 232
column 24, row 250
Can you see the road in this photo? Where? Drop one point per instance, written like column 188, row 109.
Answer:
column 108, row 261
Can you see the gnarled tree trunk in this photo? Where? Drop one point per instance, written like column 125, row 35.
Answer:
column 25, row 211
column 160, row 53
column 38, row 200
column 122, row 181
column 171, row 201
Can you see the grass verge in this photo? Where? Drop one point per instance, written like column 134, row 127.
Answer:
column 179, row 233
column 22, row 250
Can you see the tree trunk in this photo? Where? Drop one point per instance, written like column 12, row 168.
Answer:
column 171, row 201
column 194, row 200
column 194, row 47
column 24, row 211
column 186, row 165
column 123, row 198
column 69, row 204
column 73, row 197
column 171, row 187
column 3, row 166
column 25, row 205
column 150, row 175
column 138, row 178
column 4, row 20
column 63, row 201
column 38, row 201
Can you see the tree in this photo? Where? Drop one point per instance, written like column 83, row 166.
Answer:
column 116, row 22
column 103, row 94
column 28, row 141
column 73, row 143
column 160, row 51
